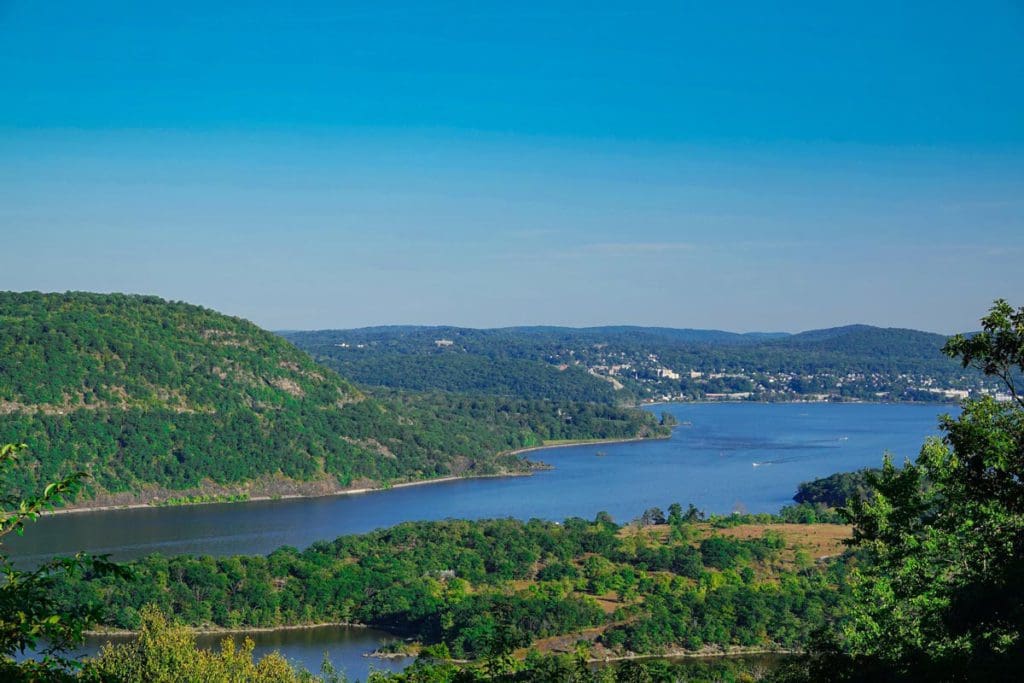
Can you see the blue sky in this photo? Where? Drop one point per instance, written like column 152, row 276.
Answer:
column 771, row 166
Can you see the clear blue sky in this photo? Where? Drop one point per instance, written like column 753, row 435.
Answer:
column 771, row 166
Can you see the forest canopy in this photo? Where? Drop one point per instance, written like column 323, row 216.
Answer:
column 152, row 397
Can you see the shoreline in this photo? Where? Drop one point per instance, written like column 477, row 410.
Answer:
column 228, row 630
column 735, row 651
column 286, row 496
column 371, row 489
column 741, row 401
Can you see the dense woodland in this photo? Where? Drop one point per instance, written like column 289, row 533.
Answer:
column 140, row 393
column 469, row 374
column 460, row 587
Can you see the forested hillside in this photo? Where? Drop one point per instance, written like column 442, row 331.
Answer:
column 152, row 397
column 856, row 362
column 465, row 373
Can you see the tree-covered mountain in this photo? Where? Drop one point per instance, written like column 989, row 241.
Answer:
column 627, row 363
column 152, row 397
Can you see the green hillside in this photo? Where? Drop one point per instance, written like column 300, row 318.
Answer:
column 154, row 397
column 626, row 364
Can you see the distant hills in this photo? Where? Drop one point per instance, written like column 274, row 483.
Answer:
column 624, row 363
column 155, row 399
column 392, row 334
column 162, row 400
column 542, row 332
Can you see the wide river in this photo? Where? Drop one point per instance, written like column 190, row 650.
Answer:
column 721, row 458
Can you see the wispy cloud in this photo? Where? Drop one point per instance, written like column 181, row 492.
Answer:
column 978, row 250
column 620, row 248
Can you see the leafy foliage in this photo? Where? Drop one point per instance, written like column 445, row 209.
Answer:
column 465, row 373
column 143, row 393
column 165, row 653
column 998, row 349
column 33, row 616
column 941, row 593
column 835, row 490
column 573, row 668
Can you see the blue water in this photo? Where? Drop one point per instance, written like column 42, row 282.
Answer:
column 709, row 461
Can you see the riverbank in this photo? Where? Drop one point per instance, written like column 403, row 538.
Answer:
column 604, row 657
column 287, row 496
column 528, row 471
column 810, row 401
column 240, row 630
column 607, row 658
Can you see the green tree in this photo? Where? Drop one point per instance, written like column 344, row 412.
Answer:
column 675, row 514
column 998, row 349
column 652, row 516
column 164, row 653
column 941, row 594
column 32, row 616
